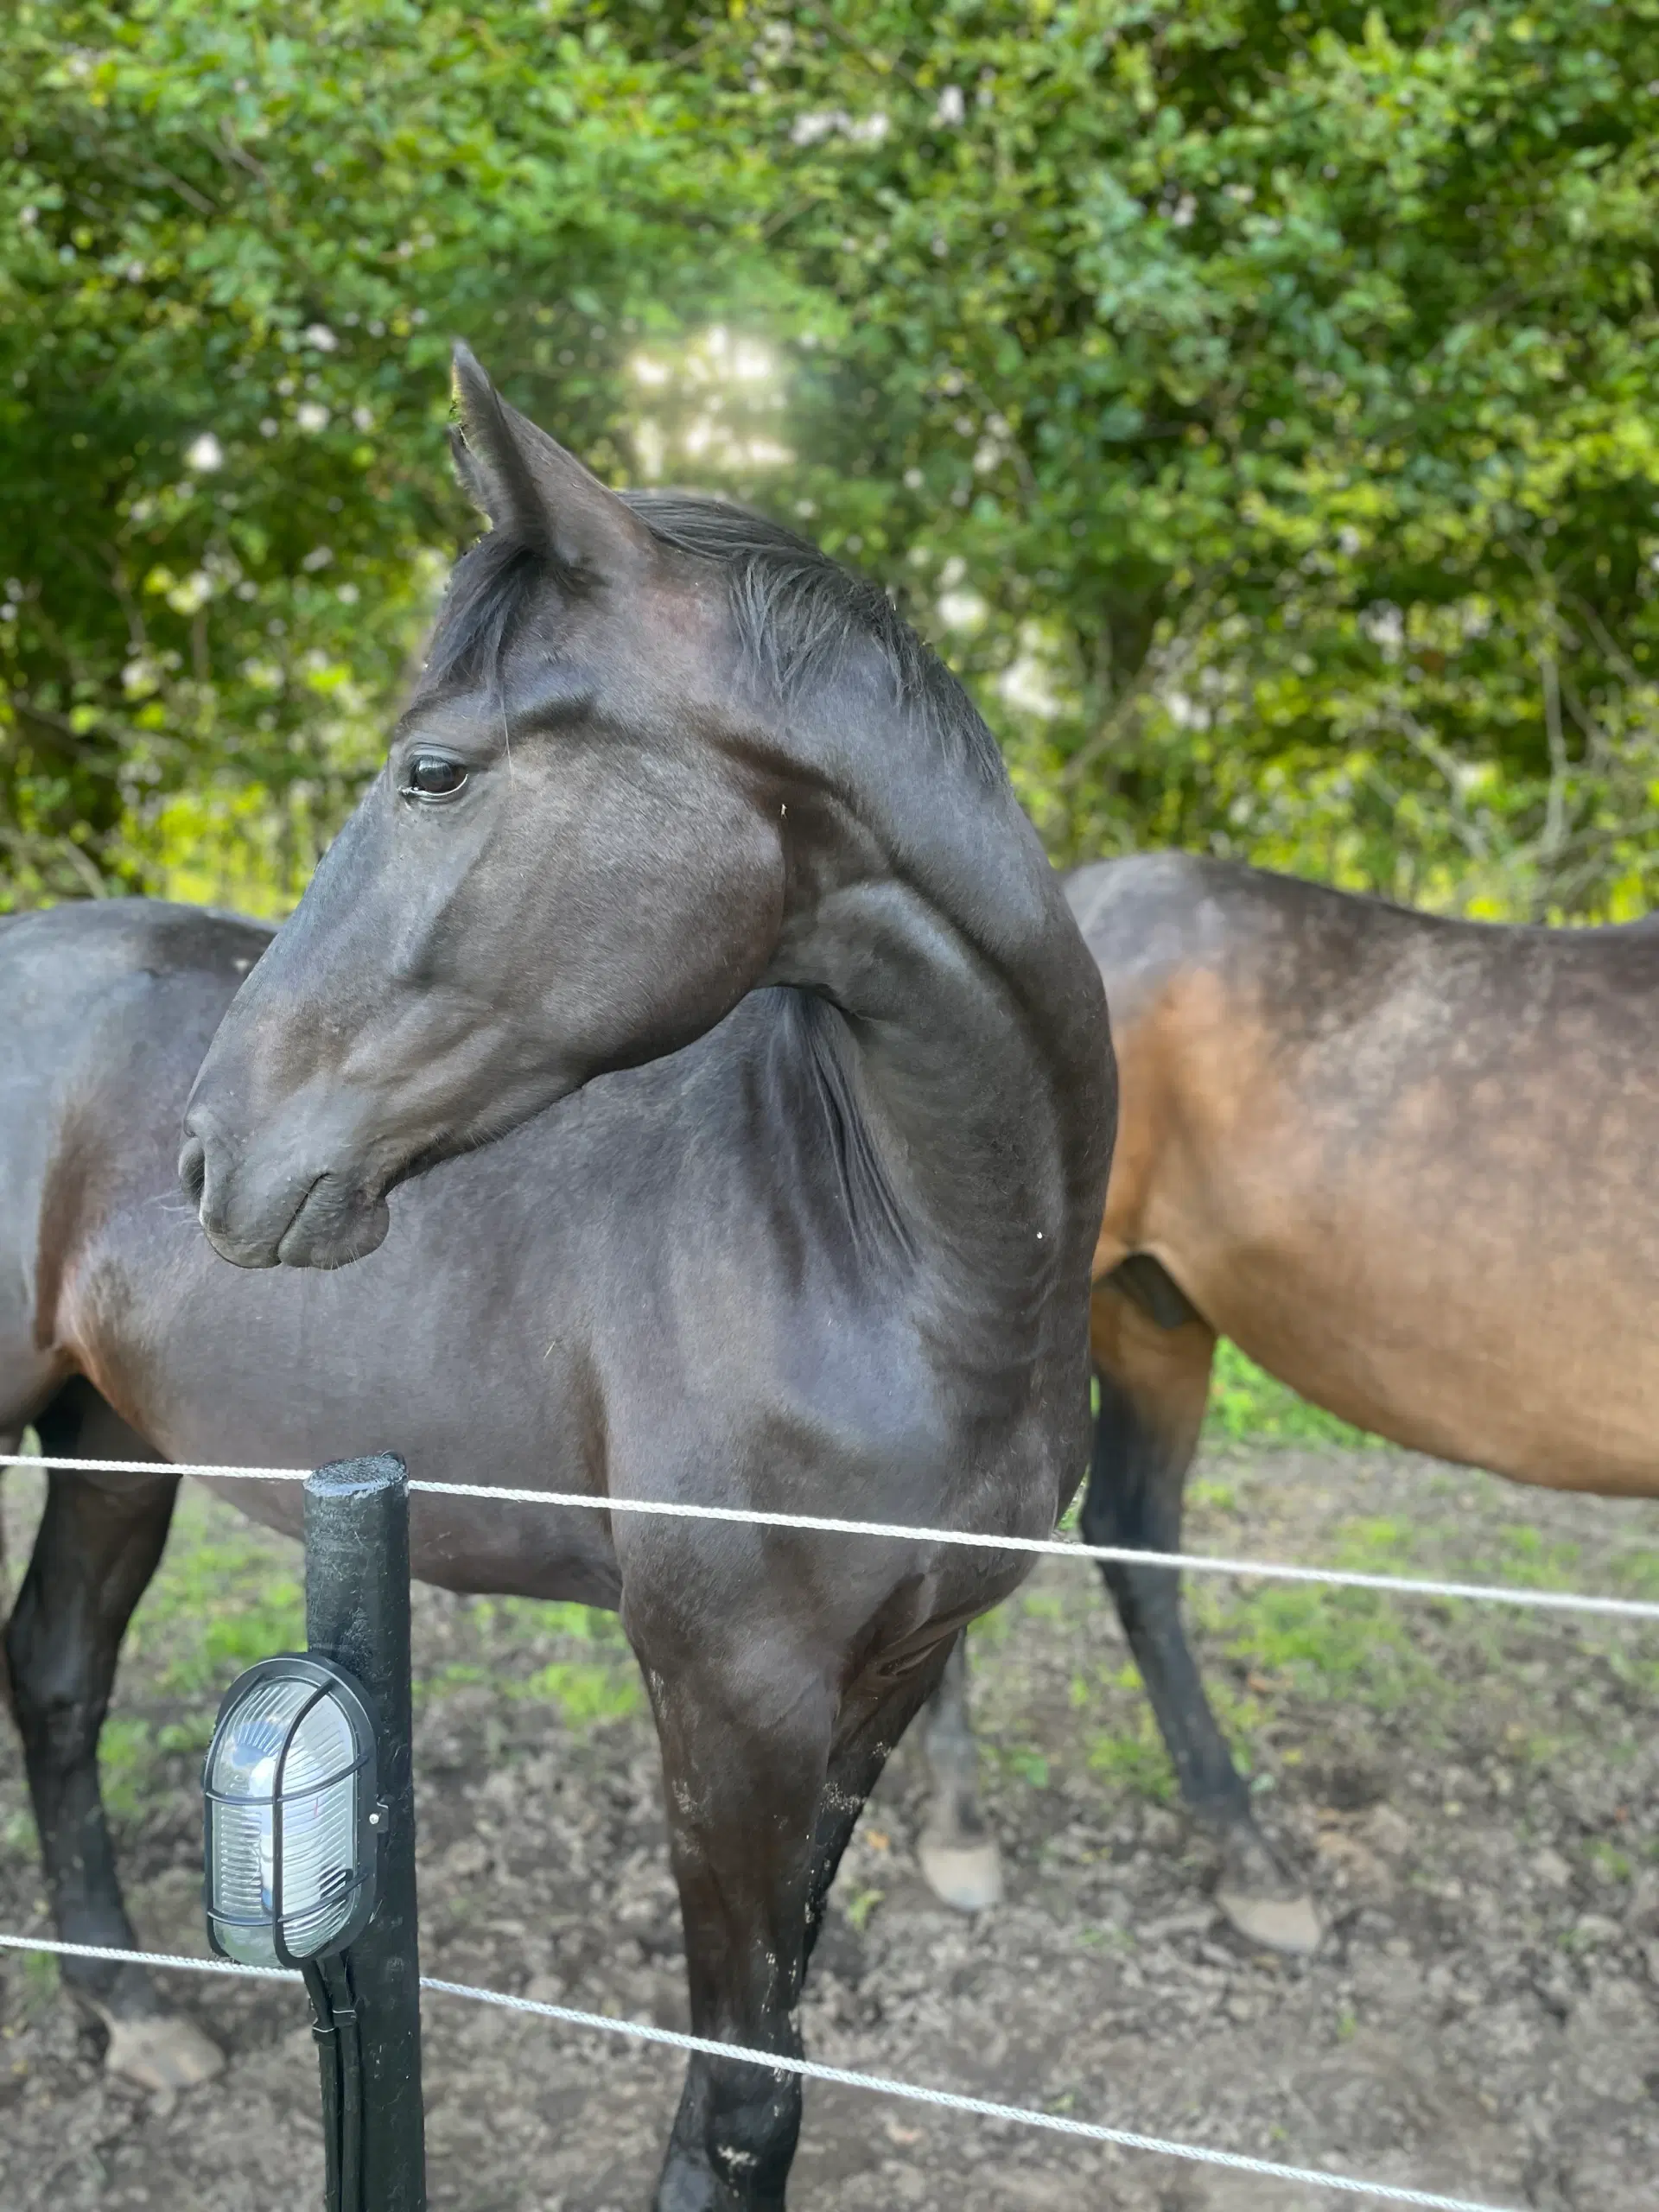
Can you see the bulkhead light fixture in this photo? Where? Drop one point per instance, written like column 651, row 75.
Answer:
column 292, row 1814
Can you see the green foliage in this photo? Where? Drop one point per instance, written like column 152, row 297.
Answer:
column 1274, row 376
column 1252, row 396
column 1022, row 1761
column 861, row 1906
column 592, row 1679
column 236, row 241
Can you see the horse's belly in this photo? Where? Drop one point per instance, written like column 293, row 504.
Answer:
column 1545, row 1379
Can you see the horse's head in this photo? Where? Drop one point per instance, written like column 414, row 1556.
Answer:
column 571, row 862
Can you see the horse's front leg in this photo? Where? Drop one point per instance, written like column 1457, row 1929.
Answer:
column 746, row 1728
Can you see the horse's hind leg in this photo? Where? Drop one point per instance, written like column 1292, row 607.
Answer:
column 1154, row 1367
column 98, row 1545
column 960, row 1861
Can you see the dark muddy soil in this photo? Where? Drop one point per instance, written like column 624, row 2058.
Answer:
column 1474, row 1795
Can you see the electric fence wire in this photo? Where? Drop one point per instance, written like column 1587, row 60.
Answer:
column 1125, row 2139
column 1341, row 1578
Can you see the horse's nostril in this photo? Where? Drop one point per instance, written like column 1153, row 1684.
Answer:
column 193, row 1169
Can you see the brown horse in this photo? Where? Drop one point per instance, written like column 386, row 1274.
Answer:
column 1402, row 1161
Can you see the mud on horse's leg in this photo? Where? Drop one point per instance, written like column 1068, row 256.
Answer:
column 867, row 1729
column 959, row 1856
column 1153, row 1373
column 97, row 1546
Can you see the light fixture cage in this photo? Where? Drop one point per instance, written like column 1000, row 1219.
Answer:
column 290, row 1791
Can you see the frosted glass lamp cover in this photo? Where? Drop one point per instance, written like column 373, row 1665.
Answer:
column 292, row 1813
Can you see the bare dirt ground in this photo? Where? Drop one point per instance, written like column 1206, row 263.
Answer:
column 1474, row 1794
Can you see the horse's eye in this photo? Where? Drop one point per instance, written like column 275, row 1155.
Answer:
column 430, row 776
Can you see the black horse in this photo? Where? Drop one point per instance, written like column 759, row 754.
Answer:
column 687, row 838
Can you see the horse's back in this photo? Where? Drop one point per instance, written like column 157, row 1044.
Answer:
column 65, row 970
column 100, row 995
column 105, row 1009
column 1403, row 1159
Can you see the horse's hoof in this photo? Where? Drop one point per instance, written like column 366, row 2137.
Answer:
column 1287, row 1925
column 966, row 1875
column 160, row 2051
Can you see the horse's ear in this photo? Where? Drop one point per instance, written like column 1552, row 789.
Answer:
column 469, row 475
column 524, row 480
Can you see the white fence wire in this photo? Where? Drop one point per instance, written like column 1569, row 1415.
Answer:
column 811, row 2070
column 1341, row 1578
column 1088, row 2131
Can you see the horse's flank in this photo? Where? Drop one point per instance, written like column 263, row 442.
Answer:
column 1405, row 1162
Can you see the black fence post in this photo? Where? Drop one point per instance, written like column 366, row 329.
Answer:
column 357, row 1613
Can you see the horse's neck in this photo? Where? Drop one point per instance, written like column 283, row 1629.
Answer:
column 971, row 1026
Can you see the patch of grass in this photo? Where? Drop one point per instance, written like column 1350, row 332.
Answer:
column 1636, row 1574
column 1219, row 1498
column 1637, row 1671
column 219, row 1602
column 1533, row 1747
column 989, row 1632
column 1133, row 1758
column 1535, row 1562
column 1021, row 1763
column 40, row 1981
column 1247, row 1405
column 862, row 1906
column 548, row 1617
column 585, row 1693
column 189, row 1737
column 1377, row 1545
column 1609, row 1861
column 1130, row 1750
column 572, row 1657
column 1351, row 1644
column 126, row 1765
column 457, row 1675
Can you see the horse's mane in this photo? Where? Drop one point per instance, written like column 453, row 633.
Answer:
column 798, row 612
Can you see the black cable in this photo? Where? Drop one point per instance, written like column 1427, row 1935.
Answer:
column 350, row 2039
column 327, row 2036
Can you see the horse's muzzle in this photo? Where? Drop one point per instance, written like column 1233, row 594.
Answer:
column 261, row 1213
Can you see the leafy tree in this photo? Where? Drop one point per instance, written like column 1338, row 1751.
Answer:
column 237, row 238
column 1271, row 384
column 1251, row 397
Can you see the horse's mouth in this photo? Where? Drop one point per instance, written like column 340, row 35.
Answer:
column 335, row 1219
column 336, row 1222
